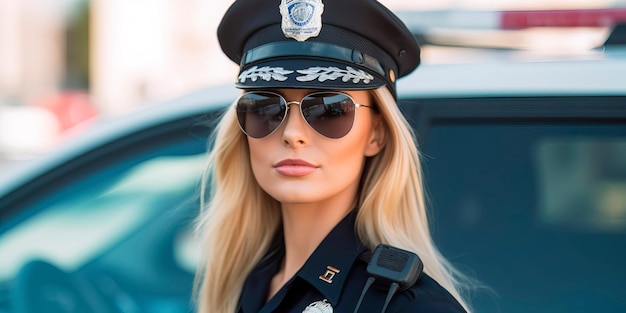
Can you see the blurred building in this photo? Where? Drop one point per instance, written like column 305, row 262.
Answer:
column 146, row 50
column 33, row 38
column 31, row 48
column 123, row 53
column 63, row 61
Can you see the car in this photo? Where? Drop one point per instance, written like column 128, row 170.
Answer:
column 523, row 165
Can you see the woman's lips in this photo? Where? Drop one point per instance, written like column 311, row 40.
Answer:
column 294, row 167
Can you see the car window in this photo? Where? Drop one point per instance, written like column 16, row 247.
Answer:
column 93, row 208
column 535, row 210
column 76, row 227
column 582, row 183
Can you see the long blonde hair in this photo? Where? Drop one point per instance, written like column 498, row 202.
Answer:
column 239, row 219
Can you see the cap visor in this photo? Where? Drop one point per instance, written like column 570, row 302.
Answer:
column 307, row 73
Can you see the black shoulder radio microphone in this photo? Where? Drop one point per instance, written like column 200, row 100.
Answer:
column 393, row 268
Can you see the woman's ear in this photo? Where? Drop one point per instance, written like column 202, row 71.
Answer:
column 377, row 138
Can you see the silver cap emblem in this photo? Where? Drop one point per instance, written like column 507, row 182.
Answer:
column 319, row 307
column 301, row 19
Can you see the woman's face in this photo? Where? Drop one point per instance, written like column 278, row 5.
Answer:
column 296, row 165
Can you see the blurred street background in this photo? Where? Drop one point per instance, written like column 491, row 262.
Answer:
column 63, row 62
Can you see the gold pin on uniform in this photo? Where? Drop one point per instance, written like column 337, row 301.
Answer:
column 329, row 275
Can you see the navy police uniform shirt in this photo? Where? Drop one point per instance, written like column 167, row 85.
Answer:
column 335, row 276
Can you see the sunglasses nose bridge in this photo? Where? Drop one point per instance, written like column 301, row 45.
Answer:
column 294, row 124
column 288, row 105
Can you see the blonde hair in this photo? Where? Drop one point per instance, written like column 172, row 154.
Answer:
column 239, row 220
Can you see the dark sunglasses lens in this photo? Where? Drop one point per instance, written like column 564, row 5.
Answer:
column 329, row 113
column 260, row 113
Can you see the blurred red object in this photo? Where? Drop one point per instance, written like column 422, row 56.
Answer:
column 70, row 108
column 562, row 18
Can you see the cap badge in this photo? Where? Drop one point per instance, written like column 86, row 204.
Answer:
column 319, row 307
column 301, row 19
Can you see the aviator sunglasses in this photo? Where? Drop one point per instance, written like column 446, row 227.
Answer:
column 329, row 113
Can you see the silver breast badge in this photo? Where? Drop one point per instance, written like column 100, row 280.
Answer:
column 319, row 307
column 301, row 19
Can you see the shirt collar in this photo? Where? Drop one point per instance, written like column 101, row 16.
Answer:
column 329, row 265
column 326, row 269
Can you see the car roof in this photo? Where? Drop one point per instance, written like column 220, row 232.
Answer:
column 525, row 73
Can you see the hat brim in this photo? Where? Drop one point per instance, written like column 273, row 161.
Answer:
column 307, row 73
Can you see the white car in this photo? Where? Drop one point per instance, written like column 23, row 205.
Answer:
column 525, row 166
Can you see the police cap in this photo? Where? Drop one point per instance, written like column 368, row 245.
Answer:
column 337, row 44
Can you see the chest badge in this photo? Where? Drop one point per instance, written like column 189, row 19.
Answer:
column 319, row 307
column 301, row 19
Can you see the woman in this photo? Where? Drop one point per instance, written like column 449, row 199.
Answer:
column 314, row 167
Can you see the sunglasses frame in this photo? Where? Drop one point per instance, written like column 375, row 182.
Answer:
column 299, row 103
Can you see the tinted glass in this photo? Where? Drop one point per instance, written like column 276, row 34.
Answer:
column 537, row 211
column 119, row 222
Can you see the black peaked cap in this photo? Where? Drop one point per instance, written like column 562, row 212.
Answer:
column 361, row 45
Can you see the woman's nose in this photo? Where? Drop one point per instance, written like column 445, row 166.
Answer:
column 296, row 130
